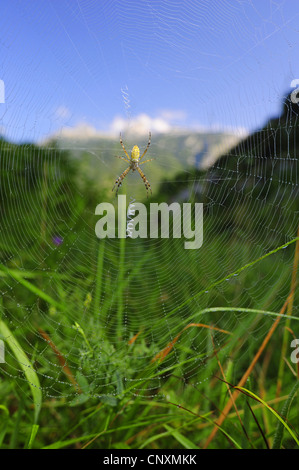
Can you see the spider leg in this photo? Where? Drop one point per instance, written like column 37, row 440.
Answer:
column 120, row 179
column 148, row 144
column 147, row 185
column 123, row 158
column 121, row 143
column 145, row 161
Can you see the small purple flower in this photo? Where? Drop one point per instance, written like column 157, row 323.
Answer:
column 57, row 240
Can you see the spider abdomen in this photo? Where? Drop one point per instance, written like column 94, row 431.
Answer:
column 135, row 153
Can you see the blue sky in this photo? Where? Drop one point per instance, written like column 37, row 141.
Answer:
column 99, row 66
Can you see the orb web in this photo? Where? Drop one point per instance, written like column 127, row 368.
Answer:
column 100, row 318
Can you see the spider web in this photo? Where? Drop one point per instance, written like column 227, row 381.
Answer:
column 125, row 315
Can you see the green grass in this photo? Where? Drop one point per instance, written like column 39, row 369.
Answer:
column 138, row 343
column 126, row 398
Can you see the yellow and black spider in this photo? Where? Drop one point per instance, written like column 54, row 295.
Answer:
column 134, row 161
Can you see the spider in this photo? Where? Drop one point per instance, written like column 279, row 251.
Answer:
column 134, row 161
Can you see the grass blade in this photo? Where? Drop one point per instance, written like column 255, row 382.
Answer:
column 34, row 430
column 284, row 412
column 26, row 366
column 284, row 424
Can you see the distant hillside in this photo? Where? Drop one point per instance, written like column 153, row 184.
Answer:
column 173, row 153
column 38, row 198
column 254, row 184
